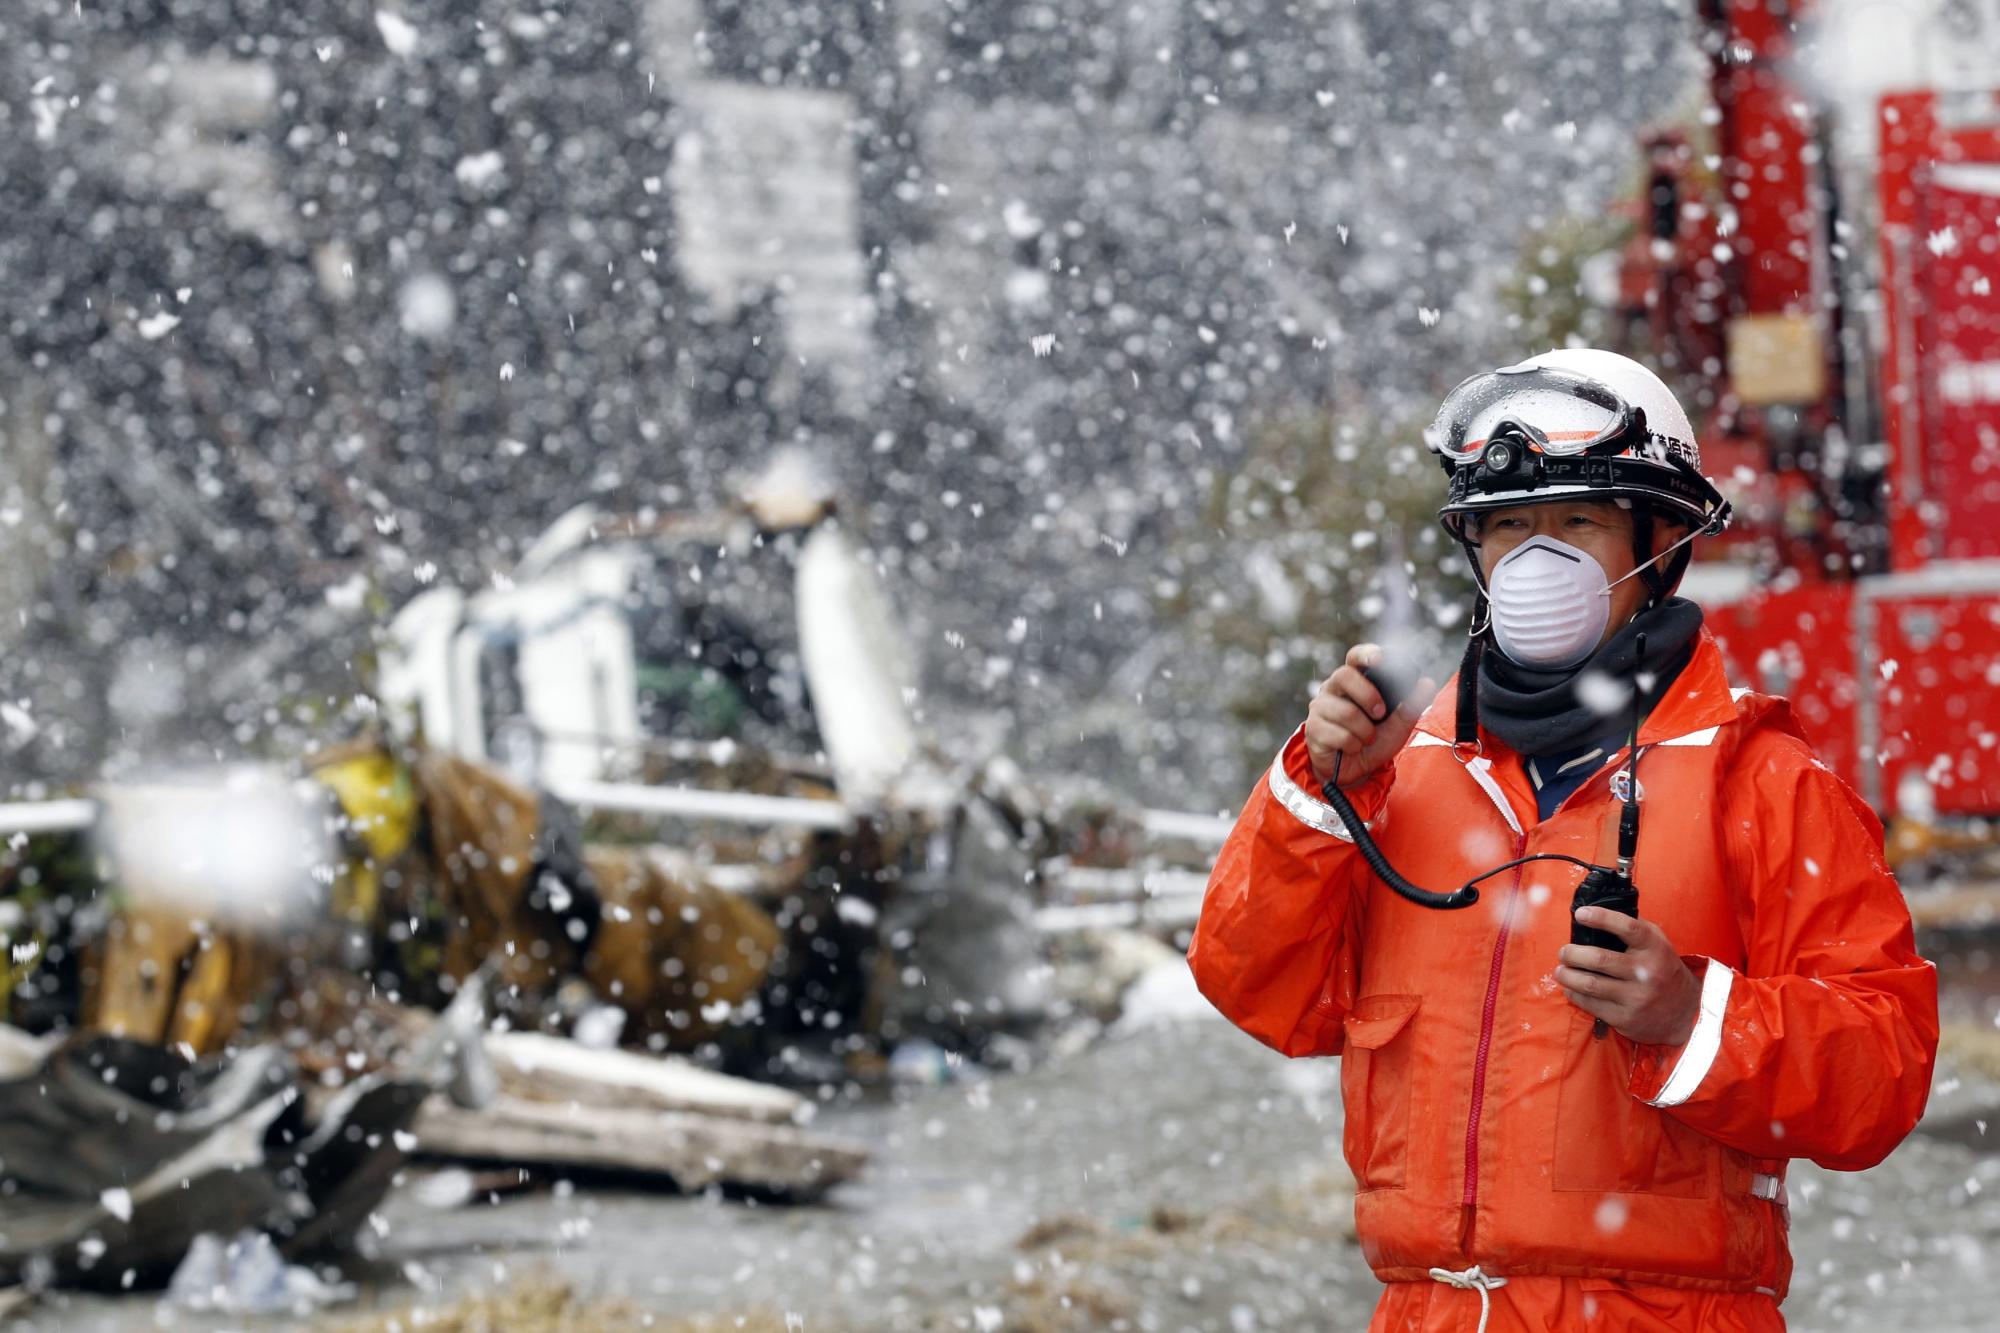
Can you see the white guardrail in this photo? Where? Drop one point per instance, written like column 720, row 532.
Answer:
column 685, row 802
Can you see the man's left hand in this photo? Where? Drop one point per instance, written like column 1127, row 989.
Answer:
column 1647, row 993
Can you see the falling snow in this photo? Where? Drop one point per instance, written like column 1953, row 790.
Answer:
column 1109, row 329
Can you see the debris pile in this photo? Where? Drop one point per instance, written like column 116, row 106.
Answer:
column 124, row 1164
column 542, row 933
column 115, row 1156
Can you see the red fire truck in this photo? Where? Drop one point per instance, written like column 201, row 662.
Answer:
column 1837, row 315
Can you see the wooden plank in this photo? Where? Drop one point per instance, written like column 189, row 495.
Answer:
column 694, row 1151
column 537, row 1067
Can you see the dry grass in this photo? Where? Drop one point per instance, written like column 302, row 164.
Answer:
column 1064, row 1229
column 1318, row 1203
column 1063, row 1305
column 1971, row 1046
column 1082, row 1267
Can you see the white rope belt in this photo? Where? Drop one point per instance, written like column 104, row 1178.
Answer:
column 1472, row 1279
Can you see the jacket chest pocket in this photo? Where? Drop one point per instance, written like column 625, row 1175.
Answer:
column 1375, row 1067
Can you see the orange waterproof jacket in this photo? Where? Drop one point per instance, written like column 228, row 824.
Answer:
column 1484, row 1124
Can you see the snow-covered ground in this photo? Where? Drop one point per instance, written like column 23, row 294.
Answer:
column 1179, row 1177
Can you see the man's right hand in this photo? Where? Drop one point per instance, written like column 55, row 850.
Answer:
column 1346, row 718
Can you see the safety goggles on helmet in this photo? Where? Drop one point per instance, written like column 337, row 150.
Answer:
column 1529, row 433
column 1594, row 418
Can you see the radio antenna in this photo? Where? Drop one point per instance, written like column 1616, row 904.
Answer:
column 1628, row 818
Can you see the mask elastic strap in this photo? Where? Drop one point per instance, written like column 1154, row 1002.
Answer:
column 1654, row 561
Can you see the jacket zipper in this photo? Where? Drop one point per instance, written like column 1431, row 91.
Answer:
column 1471, row 1197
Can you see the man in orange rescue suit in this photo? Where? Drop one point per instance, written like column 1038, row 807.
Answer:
column 1547, row 1134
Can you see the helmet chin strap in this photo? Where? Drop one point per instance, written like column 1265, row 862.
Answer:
column 1468, row 666
column 1468, row 691
column 1478, row 580
column 1642, row 546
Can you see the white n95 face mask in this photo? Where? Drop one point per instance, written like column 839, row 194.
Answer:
column 1550, row 604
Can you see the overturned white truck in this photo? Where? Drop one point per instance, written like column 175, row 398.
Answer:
column 730, row 686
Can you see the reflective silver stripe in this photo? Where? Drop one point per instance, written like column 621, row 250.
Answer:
column 1478, row 768
column 1766, row 1186
column 1704, row 1044
column 1311, row 812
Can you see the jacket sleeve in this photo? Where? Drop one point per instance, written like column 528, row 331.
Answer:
column 1823, row 1046
column 1274, row 948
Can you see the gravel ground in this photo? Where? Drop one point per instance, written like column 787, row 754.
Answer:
column 1177, row 1178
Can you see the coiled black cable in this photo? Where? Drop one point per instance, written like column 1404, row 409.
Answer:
column 1463, row 896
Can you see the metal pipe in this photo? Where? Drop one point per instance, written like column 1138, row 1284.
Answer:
column 694, row 803
column 47, row 816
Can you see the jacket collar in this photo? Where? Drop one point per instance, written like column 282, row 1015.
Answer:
column 1698, row 700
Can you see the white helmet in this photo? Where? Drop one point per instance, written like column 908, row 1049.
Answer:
column 1578, row 423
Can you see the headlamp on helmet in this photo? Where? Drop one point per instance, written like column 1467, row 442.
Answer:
column 1510, row 458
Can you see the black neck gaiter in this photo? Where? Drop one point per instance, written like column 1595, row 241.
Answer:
column 1537, row 711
